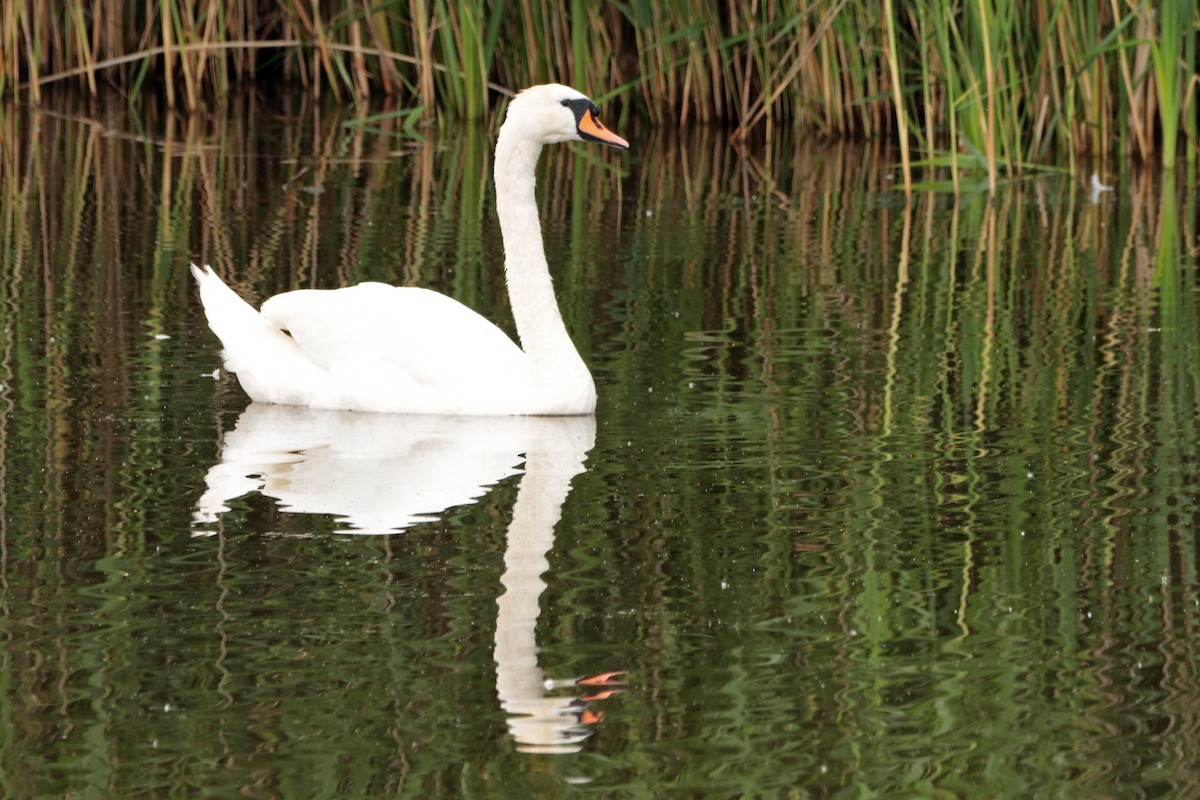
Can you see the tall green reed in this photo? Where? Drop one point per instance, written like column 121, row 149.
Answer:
column 1166, row 51
column 989, row 87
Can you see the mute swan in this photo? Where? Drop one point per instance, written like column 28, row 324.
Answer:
column 374, row 347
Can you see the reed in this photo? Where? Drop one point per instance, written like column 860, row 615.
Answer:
column 1166, row 51
column 986, row 86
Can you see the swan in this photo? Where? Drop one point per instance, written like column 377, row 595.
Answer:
column 374, row 347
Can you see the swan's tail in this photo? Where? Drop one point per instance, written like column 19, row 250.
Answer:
column 269, row 364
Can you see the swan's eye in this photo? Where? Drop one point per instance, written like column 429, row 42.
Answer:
column 580, row 106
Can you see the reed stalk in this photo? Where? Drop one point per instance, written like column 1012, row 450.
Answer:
column 998, row 85
column 1166, row 51
column 898, row 98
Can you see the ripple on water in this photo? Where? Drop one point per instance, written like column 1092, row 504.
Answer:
column 887, row 498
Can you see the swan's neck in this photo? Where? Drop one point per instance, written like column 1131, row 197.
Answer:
column 543, row 335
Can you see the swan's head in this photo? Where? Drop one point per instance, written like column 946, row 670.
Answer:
column 555, row 113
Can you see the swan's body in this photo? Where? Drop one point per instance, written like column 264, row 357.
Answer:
column 374, row 347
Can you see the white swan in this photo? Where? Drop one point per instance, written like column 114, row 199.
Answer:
column 374, row 347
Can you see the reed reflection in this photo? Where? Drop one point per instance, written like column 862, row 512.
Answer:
column 968, row 431
column 382, row 473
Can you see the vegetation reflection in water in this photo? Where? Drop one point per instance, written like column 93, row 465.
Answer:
column 882, row 498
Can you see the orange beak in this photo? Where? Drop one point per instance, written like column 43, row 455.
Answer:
column 589, row 125
column 604, row 678
column 591, row 717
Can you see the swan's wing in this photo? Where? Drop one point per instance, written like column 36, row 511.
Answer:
column 430, row 338
column 269, row 364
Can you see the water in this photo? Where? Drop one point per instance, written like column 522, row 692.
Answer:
column 879, row 500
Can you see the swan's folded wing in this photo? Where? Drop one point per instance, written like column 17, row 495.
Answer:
column 428, row 337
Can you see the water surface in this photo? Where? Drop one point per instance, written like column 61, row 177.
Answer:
column 879, row 500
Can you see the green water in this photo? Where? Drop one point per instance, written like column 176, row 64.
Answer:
column 879, row 500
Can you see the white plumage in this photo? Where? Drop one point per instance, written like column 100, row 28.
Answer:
column 374, row 347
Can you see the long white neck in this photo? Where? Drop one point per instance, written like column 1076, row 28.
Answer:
column 544, row 338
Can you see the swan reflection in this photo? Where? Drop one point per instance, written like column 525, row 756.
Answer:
column 382, row 473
